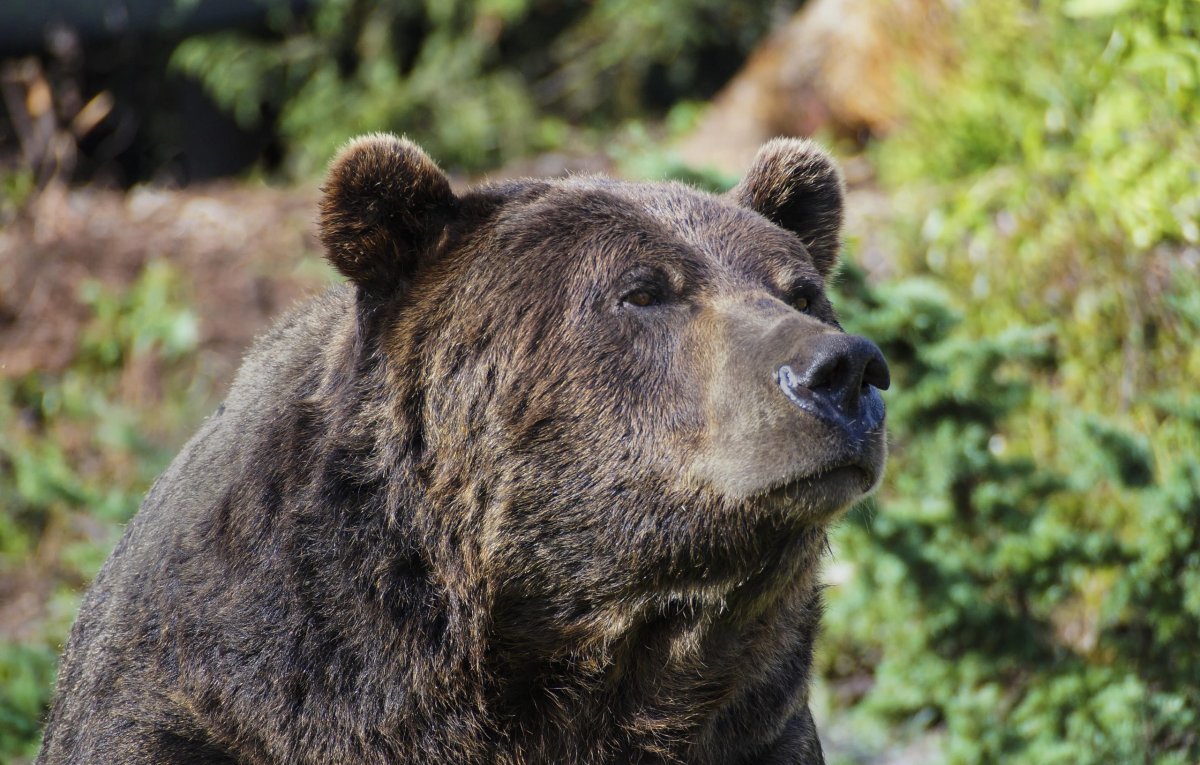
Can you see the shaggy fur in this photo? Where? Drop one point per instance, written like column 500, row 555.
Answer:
column 797, row 186
column 536, row 488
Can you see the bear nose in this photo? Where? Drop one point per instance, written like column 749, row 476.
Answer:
column 840, row 370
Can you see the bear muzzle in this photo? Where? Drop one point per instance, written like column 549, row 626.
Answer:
column 836, row 378
column 793, row 408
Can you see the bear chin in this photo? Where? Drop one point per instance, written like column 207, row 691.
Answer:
column 824, row 495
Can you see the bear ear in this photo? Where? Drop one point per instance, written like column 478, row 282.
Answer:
column 796, row 185
column 384, row 206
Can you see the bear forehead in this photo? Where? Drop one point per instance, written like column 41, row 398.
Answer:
column 634, row 220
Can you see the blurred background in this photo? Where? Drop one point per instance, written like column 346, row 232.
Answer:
column 1024, row 243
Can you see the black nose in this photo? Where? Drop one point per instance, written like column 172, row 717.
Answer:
column 840, row 369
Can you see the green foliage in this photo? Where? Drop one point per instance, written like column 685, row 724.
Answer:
column 1079, row 170
column 133, row 325
column 639, row 153
column 16, row 188
column 474, row 81
column 26, row 677
column 1026, row 583
column 78, row 449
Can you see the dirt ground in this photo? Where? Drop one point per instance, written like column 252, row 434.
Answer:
column 244, row 252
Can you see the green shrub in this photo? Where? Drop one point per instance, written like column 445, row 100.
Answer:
column 78, row 450
column 26, row 677
column 1026, row 581
column 474, row 81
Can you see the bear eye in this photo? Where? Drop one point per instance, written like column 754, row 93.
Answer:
column 641, row 298
column 801, row 299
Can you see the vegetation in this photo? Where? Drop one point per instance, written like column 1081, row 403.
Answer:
column 476, row 80
column 1028, row 580
column 78, row 450
column 1026, row 585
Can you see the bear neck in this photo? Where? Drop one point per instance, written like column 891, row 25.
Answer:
column 666, row 675
column 661, row 677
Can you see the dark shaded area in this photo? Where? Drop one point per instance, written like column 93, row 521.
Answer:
column 93, row 93
column 25, row 27
column 158, row 125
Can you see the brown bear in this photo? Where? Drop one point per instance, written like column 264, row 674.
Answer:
column 548, row 482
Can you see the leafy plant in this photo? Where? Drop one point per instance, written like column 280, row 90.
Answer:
column 26, row 677
column 1025, row 582
column 77, row 451
column 474, row 81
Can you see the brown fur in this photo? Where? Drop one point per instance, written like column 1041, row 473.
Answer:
column 536, row 490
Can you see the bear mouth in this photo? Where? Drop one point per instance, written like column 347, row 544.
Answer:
column 825, row 492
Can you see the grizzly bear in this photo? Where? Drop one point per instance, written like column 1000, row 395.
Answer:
column 547, row 482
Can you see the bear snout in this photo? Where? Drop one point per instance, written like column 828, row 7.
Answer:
column 837, row 378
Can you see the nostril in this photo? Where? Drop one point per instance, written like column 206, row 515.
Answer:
column 830, row 377
column 785, row 376
column 876, row 372
column 825, row 373
column 839, row 368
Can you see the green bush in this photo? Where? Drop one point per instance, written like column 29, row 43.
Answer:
column 78, row 448
column 474, row 81
column 26, row 675
column 1027, row 581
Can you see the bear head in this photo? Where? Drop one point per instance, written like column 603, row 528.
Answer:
column 611, row 398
